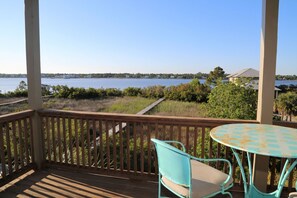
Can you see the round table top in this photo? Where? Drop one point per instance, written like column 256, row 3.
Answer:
column 263, row 139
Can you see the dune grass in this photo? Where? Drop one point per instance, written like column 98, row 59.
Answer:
column 129, row 105
column 177, row 108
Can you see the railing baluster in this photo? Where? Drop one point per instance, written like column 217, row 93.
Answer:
column 64, row 140
column 226, row 157
column 47, row 128
column 164, row 132
column 134, row 147
column 26, row 140
column 149, row 148
column 218, row 155
column 242, row 162
column 210, row 148
column 31, row 140
column 59, row 139
column 95, row 143
column 76, row 142
column 195, row 141
column 101, row 144
column 187, row 139
column 15, row 148
column 128, row 130
column 8, row 146
column 272, row 171
column 114, row 141
column 107, row 144
column 121, row 147
column 21, row 145
column 70, row 140
column 88, row 143
column 54, row 139
column 171, row 132
column 141, row 149
column 203, row 142
column 290, row 181
column 2, row 152
column 82, row 135
column 179, row 133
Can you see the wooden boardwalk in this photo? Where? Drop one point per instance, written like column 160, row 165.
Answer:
column 142, row 112
column 117, row 127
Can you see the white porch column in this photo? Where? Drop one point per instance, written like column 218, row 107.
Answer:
column 33, row 72
column 266, row 81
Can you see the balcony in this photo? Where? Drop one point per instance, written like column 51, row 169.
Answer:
column 105, row 155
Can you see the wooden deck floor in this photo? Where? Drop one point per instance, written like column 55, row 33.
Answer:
column 60, row 183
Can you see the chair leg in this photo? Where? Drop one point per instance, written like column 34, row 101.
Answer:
column 159, row 187
column 227, row 193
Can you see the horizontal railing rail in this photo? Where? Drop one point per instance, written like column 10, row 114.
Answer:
column 16, row 144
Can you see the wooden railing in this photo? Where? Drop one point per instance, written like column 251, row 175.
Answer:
column 83, row 140
column 16, row 144
column 70, row 139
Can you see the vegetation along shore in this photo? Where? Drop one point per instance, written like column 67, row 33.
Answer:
column 213, row 98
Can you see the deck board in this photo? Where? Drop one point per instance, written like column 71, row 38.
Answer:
column 59, row 183
column 49, row 183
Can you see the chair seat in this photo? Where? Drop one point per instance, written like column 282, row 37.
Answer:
column 293, row 195
column 205, row 180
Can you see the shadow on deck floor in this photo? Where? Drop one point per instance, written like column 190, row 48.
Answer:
column 60, row 183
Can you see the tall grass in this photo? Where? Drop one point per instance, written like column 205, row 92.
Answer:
column 176, row 108
column 129, row 105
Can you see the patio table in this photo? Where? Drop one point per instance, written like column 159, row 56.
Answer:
column 261, row 139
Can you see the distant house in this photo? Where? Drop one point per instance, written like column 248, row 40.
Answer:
column 252, row 75
column 245, row 73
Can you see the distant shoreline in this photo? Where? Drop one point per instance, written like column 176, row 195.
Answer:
column 198, row 75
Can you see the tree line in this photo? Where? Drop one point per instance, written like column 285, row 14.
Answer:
column 198, row 75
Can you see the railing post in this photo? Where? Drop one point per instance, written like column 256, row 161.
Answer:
column 33, row 73
column 266, row 82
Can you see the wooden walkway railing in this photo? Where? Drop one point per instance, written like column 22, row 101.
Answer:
column 16, row 140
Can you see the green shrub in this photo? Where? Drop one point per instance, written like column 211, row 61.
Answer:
column 132, row 91
column 232, row 101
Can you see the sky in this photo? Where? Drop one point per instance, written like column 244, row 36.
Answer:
column 147, row 36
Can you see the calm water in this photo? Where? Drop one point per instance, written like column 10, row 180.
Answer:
column 10, row 84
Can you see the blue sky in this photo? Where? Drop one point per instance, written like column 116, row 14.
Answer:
column 147, row 36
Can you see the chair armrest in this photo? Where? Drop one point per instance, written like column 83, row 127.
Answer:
column 176, row 142
column 214, row 160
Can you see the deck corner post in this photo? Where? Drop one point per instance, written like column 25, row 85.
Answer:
column 268, row 51
column 34, row 74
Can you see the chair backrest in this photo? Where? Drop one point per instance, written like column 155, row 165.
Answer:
column 173, row 163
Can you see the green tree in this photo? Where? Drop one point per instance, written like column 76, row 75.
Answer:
column 232, row 101
column 287, row 104
column 216, row 75
column 22, row 86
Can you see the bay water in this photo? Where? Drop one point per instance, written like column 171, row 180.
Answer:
column 10, row 84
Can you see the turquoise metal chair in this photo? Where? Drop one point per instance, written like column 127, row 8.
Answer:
column 186, row 176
